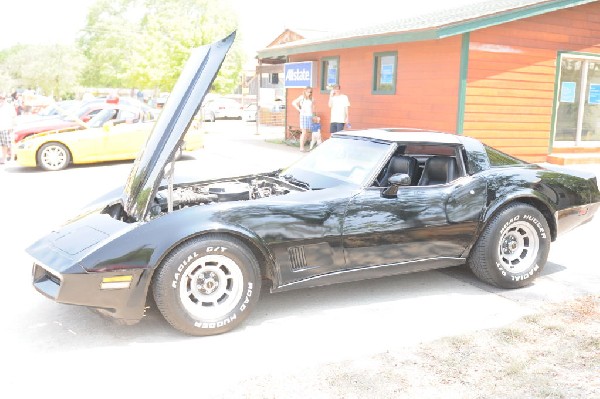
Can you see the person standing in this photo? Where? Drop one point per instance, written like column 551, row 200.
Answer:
column 8, row 116
column 316, row 132
column 340, row 109
column 305, row 105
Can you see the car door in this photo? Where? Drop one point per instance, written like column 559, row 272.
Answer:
column 89, row 145
column 125, row 140
column 86, row 145
column 417, row 224
column 304, row 233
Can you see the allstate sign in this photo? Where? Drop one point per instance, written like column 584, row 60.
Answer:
column 299, row 74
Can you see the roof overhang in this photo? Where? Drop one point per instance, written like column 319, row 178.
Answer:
column 401, row 34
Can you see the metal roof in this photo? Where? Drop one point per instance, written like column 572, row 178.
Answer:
column 437, row 25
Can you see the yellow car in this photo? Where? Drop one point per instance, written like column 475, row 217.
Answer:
column 112, row 135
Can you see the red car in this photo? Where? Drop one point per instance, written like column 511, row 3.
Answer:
column 78, row 119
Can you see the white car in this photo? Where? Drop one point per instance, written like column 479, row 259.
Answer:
column 221, row 108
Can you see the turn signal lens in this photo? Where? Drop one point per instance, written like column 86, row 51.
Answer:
column 116, row 282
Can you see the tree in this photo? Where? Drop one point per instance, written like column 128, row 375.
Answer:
column 145, row 43
column 55, row 69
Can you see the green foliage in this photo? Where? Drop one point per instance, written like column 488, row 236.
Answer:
column 55, row 69
column 127, row 44
column 145, row 43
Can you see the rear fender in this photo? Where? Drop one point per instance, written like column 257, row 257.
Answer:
column 526, row 197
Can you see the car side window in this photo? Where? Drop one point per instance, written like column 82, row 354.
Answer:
column 108, row 115
column 498, row 158
column 127, row 116
column 93, row 113
column 426, row 164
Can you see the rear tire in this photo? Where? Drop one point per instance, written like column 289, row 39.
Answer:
column 513, row 248
column 208, row 285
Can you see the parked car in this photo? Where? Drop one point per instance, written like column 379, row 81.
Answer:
column 114, row 134
column 250, row 113
column 54, row 110
column 221, row 108
column 159, row 102
column 364, row 204
column 76, row 119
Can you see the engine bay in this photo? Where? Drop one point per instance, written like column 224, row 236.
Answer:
column 239, row 189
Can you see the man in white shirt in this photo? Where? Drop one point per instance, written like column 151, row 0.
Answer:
column 8, row 116
column 340, row 106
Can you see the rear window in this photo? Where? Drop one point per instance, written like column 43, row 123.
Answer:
column 424, row 149
column 498, row 158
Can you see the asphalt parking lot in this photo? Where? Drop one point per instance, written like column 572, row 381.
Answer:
column 67, row 351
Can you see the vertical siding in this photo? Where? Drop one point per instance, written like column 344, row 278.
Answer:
column 510, row 81
column 426, row 89
column 510, row 84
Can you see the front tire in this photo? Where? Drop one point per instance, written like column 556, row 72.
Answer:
column 207, row 285
column 53, row 156
column 513, row 248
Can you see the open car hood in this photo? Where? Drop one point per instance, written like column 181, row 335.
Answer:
column 194, row 82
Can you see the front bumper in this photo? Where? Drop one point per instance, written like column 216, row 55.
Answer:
column 120, row 294
column 26, row 156
column 88, row 262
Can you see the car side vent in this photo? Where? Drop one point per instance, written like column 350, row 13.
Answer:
column 297, row 258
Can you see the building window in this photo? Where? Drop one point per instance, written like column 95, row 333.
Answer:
column 577, row 105
column 384, row 76
column 330, row 72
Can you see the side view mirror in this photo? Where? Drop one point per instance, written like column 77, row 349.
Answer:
column 395, row 181
column 399, row 179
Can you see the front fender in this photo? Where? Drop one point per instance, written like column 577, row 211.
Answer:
column 146, row 244
column 96, row 245
column 185, row 224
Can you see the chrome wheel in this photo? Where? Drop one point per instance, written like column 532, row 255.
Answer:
column 207, row 285
column 211, row 287
column 513, row 247
column 518, row 247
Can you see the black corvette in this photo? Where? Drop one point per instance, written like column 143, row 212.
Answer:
column 363, row 204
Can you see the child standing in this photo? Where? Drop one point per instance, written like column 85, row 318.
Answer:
column 316, row 131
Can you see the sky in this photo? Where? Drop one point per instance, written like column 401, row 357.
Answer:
column 260, row 21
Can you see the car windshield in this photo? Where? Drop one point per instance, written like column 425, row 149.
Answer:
column 338, row 160
column 102, row 117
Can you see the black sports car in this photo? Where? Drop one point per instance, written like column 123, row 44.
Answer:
column 363, row 204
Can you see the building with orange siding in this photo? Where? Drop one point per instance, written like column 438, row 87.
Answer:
column 521, row 75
